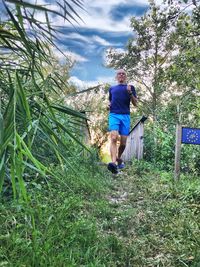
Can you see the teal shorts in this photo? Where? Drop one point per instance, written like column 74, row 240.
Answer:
column 120, row 123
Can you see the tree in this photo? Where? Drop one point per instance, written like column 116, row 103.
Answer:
column 149, row 54
column 162, row 59
column 93, row 101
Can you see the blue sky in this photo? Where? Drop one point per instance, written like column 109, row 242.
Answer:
column 106, row 24
column 89, row 48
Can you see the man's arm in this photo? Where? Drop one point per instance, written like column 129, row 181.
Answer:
column 132, row 94
column 134, row 99
column 109, row 98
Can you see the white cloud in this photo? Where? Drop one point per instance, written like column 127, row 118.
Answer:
column 95, row 21
column 101, row 41
column 100, row 80
column 74, row 57
column 98, row 16
column 76, row 36
column 106, row 79
column 82, row 85
column 92, row 40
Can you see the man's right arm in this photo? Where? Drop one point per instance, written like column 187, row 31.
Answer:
column 110, row 98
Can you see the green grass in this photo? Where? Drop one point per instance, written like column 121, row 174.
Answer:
column 140, row 218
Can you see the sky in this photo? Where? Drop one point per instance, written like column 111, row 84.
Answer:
column 106, row 24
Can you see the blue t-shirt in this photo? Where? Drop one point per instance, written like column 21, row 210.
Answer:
column 120, row 99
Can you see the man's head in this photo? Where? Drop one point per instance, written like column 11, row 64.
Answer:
column 121, row 76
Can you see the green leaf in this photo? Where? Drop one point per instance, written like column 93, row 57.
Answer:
column 1, row 128
column 2, row 171
column 69, row 111
column 22, row 96
column 27, row 152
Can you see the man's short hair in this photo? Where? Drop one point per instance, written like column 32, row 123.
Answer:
column 120, row 71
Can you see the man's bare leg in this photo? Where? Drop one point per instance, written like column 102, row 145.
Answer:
column 113, row 145
column 122, row 146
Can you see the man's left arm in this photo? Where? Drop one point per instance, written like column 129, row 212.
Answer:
column 133, row 96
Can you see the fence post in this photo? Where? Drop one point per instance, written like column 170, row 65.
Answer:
column 177, row 152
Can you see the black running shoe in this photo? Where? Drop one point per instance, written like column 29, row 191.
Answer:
column 112, row 167
column 120, row 164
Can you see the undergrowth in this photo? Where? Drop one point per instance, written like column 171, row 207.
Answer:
column 139, row 218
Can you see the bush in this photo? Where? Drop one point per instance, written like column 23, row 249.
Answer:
column 159, row 148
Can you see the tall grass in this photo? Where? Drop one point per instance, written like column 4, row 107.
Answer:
column 31, row 130
column 140, row 218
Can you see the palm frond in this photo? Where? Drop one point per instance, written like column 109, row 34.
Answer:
column 28, row 116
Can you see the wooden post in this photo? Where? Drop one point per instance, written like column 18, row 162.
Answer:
column 177, row 151
column 140, row 140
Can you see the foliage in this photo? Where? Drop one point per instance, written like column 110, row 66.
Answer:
column 70, row 211
column 141, row 218
column 148, row 55
column 163, row 59
column 94, row 102
column 163, row 154
column 184, row 71
column 30, row 122
column 57, row 229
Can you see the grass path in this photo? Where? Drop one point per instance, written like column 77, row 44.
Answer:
column 153, row 222
column 140, row 218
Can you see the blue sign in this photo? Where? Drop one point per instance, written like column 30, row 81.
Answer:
column 190, row 136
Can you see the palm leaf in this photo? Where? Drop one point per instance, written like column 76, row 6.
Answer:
column 23, row 98
column 18, row 28
column 27, row 109
column 44, row 9
column 2, row 171
column 61, row 126
column 85, row 91
column 69, row 111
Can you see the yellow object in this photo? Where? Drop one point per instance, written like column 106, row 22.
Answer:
column 105, row 153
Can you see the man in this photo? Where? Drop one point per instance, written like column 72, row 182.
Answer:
column 120, row 97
